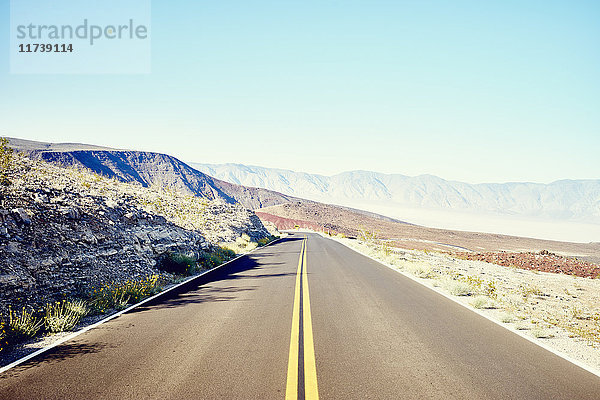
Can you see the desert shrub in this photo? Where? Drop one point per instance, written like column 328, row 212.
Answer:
column 386, row 249
column 244, row 244
column 22, row 326
column 136, row 290
column 209, row 260
column 6, row 161
column 480, row 302
column 540, row 333
column 489, row 289
column 420, row 270
column 506, row 318
column 215, row 258
column 79, row 307
column 224, row 254
column 177, row 263
column 266, row 241
column 456, row 287
column 3, row 341
column 119, row 295
column 529, row 290
column 365, row 236
column 63, row 315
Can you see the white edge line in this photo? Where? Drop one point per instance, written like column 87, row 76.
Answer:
column 115, row 315
column 511, row 329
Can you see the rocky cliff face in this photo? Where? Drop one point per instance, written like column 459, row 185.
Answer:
column 64, row 230
column 149, row 169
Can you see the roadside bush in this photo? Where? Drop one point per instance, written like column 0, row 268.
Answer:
column 420, row 270
column 79, row 307
column 480, row 302
column 456, row 287
column 367, row 237
column 136, row 290
column 6, row 161
column 216, row 258
column 177, row 263
column 22, row 326
column 266, row 241
column 224, row 254
column 119, row 295
column 3, row 341
column 63, row 315
column 540, row 333
column 506, row 318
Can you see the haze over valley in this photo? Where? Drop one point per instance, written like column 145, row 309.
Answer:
column 562, row 210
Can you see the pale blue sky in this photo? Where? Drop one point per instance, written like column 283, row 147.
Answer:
column 466, row 90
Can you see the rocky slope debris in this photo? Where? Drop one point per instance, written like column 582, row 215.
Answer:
column 64, row 231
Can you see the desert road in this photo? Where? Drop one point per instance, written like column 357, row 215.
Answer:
column 303, row 318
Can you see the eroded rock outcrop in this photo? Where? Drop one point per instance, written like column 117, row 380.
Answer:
column 64, row 231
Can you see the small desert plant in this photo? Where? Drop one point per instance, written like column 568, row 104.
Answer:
column 489, row 289
column 473, row 281
column 420, row 270
column 456, row 287
column 506, row 318
column 528, row 290
column 6, row 161
column 386, row 249
column 177, row 263
column 3, row 341
column 119, row 295
column 264, row 241
column 540, row 333
column 521, row 326
column 224, row 254
column 366, row 236
column 62, row 316
column 244, row 244
column 121, row 299
column 216, row 258
column 480, row 302
column 79, row 307
column 23, row 325
column 576, row 312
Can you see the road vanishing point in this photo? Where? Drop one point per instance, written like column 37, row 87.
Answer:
column 304, row 318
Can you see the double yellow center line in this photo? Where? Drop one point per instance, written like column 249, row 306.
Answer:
column 302, row 368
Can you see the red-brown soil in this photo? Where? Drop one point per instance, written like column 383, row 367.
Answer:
column 283, row 223
column 543, row 261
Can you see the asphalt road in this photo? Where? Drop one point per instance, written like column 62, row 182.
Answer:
column 372, row 333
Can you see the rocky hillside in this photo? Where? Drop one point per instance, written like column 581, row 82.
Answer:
column 149, row 169
column 66, row 230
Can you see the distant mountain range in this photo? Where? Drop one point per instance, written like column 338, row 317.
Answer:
column 148, row 169
column 522, row 209
column 576, row 200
